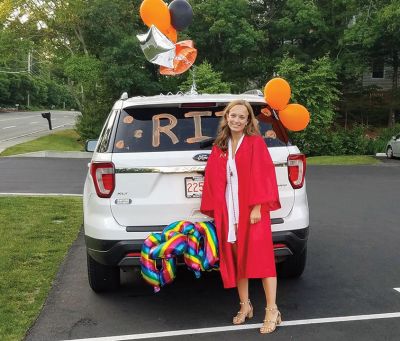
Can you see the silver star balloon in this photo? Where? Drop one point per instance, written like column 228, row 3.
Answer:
column 157, row 48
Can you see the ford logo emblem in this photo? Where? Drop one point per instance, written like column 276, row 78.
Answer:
column 201, row 157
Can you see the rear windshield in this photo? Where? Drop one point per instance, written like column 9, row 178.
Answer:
column 153, row 129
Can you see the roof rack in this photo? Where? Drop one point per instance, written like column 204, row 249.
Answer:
column 256, row 92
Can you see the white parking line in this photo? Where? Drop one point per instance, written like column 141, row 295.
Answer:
column 34, row 122
column 9, row 127
column 241, row 327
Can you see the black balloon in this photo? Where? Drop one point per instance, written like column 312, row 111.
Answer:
column 181, row 14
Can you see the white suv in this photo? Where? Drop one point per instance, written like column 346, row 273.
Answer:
column 147, row 172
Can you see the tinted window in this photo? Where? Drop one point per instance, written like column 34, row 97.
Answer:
column 104, row 140
column 152, row 129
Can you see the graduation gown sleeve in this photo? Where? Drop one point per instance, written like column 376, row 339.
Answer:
column 264, row 189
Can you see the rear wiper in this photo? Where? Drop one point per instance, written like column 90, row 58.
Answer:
column 207, row 143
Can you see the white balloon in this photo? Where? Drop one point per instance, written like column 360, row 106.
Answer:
column 157, row 48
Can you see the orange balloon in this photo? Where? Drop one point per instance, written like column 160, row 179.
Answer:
column 277, row 93
column 294, row 117
column 156, row 12
column 185, row 56
column 172, row 34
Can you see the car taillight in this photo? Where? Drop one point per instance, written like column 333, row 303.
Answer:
column 297, row 170
column 103, row 176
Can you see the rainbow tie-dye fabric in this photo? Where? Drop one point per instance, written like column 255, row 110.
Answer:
column 197, row 242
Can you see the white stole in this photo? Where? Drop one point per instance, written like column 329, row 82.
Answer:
column 231, row 192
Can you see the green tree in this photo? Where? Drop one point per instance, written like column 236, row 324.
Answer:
column 95, row 44
column 86, row 52
column 226, row 37
column 207, row 80
column 375, row 36
column 22, row 48
column 315, row 87
column 305, row 29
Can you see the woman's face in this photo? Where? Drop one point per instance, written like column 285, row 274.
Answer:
column 237, row 118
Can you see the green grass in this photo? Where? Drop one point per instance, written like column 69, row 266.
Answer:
column 36, row 233
column 342, row 160
column 64, row 140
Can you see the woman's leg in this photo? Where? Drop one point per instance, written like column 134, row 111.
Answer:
column 242, row 286
column 271, row 311
column 243, row 291
column 270, row 284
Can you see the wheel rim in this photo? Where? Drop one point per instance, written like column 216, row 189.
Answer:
column 389, row 153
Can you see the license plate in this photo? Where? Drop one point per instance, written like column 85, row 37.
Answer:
column 194, row 187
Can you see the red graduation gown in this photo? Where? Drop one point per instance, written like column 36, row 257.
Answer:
column 257, row 185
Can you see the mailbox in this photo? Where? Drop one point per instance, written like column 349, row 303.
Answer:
column 47, row 116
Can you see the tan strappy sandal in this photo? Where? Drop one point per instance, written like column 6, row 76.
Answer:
column 240, row 318
column 266, row 328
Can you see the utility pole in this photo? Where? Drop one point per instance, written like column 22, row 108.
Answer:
column 29, row 72
column 29, row 62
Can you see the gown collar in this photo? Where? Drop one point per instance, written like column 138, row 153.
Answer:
column 230, row 147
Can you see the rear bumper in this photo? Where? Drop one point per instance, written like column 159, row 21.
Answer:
column 115, row 252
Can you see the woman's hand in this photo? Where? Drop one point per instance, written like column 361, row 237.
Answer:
column 255, row 214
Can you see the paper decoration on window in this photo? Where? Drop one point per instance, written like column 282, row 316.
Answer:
column 138, row 134
column 270, row 134
column 128, row 119
column 198, row 136
column 167, row 129
column 120, row 144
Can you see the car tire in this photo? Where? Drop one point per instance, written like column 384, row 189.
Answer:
column 389, row 152
column 102, row 278
column 293, row 266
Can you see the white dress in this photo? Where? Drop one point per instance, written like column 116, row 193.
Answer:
column 231, row 192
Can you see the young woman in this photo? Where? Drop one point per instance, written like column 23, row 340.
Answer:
column 239, row 191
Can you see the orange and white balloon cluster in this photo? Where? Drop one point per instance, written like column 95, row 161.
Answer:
column 159, row 44
column 277, row 94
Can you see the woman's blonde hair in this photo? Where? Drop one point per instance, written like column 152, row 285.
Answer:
column 224, row 131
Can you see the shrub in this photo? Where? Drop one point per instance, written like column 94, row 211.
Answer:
column 91, row 121
column 336, row 141
column 378, row 144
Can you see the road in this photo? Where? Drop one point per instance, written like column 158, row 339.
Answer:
column 352, row 270
column 17, row 127
column 42, row 175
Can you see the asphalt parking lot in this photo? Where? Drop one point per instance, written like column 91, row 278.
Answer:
column 351, row 276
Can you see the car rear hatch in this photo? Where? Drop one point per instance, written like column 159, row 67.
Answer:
column 159, row 156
